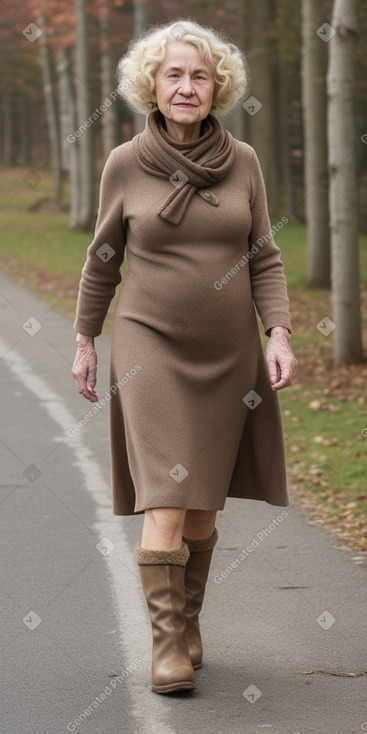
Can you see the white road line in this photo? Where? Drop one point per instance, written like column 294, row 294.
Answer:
column 105, row 525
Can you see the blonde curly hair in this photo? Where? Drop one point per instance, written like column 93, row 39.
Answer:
column 137, row 68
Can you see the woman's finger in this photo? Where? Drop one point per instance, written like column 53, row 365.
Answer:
column 84, row 371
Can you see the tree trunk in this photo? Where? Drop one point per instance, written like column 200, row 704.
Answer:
column 313, row 70
column 64, row 114
column 85, row 125
column 140, row 22
column 246, row 45
column 262, row 58
column 285, row 148
column 343, row 185
column 51, row 110
column 109, row 117
column 71, row 152
column 234, row 121
column 7, row 126
column 24, row 146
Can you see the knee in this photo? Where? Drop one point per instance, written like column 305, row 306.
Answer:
column 166, row 520
column 201, row 520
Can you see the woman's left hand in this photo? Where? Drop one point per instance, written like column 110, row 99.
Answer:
column 280, row 359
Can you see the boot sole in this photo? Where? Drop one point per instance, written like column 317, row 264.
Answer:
column 197, row 666
column 186, row 685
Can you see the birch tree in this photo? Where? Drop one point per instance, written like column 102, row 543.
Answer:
column 7, row 136
column 343, row 184
column 69, row 118
column 313, row 70
column 51, row 110
column 140, row 21
column 262, row 57
column 109, row 118
column 85, row 141
column 235, row 120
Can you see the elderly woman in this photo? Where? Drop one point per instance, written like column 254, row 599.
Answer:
column 194, row 412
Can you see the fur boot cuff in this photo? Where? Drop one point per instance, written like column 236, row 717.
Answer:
column 202, row 545
column 147, row 557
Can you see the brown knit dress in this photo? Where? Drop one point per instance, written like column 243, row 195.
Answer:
column 193, row 415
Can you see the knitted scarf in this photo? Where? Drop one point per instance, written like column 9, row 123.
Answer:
column 203, row 162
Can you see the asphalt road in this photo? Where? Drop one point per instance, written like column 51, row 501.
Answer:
column 74, row 630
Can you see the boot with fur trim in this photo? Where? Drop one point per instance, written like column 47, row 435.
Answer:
column 196, row 575
column 163, row 578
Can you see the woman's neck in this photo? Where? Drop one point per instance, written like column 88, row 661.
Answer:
column 183, row 133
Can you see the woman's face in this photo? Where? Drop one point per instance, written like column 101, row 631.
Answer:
column 184, row 84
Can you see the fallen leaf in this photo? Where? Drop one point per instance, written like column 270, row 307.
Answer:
column 315, row 405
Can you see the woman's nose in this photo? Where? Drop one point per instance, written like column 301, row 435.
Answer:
column 186, row 86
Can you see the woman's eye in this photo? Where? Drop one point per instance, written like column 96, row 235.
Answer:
column 171, row 76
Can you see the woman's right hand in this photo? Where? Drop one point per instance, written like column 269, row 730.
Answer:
column 84, row 369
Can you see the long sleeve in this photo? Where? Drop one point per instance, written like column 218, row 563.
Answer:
column 269, row 288
column 101, row 272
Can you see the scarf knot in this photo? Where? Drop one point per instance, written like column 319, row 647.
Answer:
column 188, row 166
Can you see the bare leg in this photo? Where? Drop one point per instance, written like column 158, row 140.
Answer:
column 199, row 524
column 163, row 528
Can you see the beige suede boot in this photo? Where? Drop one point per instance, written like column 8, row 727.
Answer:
column 162, row 576
column 196, row 575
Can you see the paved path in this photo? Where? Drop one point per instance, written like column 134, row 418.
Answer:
column 73, row 616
